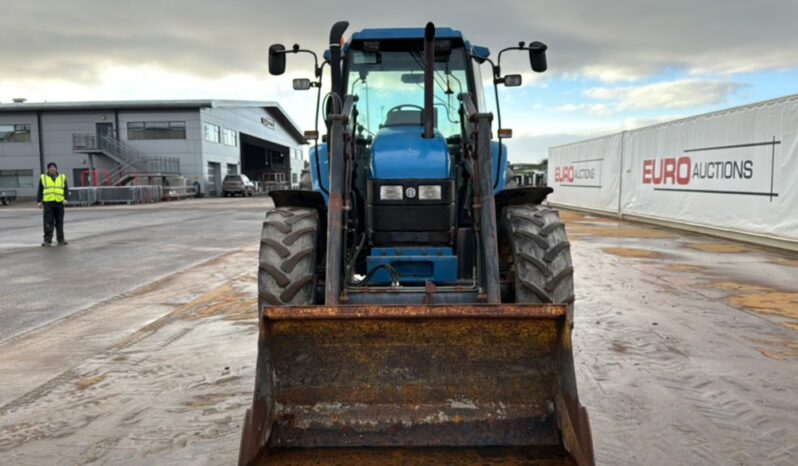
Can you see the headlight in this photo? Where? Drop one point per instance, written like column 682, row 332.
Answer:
column 390, row 193
column 429, row 193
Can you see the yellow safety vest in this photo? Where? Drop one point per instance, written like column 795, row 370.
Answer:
column 53, row 189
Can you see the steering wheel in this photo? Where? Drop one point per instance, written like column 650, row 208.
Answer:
column 400, row 107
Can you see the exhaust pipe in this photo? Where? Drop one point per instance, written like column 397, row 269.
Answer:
column 336, row 33
column 429, row 85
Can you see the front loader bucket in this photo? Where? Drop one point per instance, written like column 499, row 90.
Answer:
column 466, row 384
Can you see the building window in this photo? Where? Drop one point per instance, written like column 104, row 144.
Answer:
column 211, row 133
column 229, row 137
column 294, row 178
column 16, row 178
column 15, row 133
column 138, row 130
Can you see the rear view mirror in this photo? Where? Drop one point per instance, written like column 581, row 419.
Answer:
column 512, row 80
column 537, row 56
column 276, row 59
column 301, row 84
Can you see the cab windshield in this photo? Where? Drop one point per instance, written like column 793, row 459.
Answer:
column 390, row 85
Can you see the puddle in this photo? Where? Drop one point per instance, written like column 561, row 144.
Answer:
column 720, row 248
column 634, row 253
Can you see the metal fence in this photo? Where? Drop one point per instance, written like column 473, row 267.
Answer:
column 128, row 194
column 178, row 192
column 275, row 185
column 273, row 181
column 106, row 195
column 82, row 197
column 7, row 195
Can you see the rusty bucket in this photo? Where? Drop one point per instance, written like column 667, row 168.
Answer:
column 481, row 384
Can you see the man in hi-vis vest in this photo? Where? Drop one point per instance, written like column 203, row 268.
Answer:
column 53, row 194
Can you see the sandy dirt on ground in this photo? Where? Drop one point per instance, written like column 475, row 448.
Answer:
column 786, row 261
column 632, row 252
column 718, row 248
column 688, row 357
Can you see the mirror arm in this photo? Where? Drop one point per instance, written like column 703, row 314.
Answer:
column 316, row 67
column 520, row 46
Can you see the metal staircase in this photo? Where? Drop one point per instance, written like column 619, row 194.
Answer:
column 131, row 161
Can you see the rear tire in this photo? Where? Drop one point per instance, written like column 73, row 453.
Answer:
column 286, row 274
column 541, row 255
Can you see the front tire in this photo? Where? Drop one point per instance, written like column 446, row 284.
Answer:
column 541, row 255
column 287, row 269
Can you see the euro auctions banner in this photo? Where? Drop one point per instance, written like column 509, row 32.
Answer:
column 585, row 174
column 735, row 170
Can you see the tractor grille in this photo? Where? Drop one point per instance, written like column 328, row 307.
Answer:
column 410, row 220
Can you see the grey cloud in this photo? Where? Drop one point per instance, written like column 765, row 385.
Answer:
column 684, row 93
column 72, row 40
column 533, row 149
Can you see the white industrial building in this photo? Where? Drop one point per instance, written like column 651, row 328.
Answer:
column 106, row 142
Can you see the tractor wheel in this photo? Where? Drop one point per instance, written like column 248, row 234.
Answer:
column 286, row 274
column 541, row 255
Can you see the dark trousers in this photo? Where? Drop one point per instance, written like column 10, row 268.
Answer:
column 53, row 217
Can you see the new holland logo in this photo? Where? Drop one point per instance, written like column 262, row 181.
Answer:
column 742, row 169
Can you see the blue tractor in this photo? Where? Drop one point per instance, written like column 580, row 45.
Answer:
column 412, row 307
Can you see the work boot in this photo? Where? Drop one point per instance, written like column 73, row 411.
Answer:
column 47, row 243
column 63, row 243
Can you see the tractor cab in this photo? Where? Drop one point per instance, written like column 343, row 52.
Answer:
column 408, row 186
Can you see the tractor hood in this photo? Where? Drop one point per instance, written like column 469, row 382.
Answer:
column 401, row 153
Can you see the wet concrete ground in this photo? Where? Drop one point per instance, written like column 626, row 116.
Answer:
column 686, row 350
column 686, row 346
column 111, row 250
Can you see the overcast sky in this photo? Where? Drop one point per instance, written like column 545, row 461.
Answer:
column 613, row 65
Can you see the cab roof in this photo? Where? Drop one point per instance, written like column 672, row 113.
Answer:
column 404, row 33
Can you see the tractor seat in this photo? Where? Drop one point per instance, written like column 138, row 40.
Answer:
column 408, row 117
